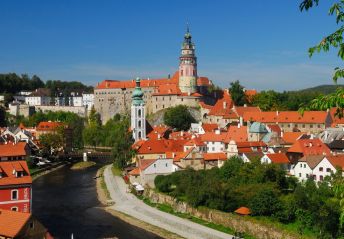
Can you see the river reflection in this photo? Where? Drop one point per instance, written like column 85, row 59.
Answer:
column 65, row 201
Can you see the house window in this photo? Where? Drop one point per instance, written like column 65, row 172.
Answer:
column 300, row 175
column 321, row 178
column 300, row 165
column 304, row 165
column 307, row 175
column 328, row 170
column 321, row 169
column 213, row 148
column 166, row 165
column 303, row 126
column 139, row 112
column 154, row 165
column 311, row 126
column 139, row 123
column 14, row 209
column 14, row 195
column 319, row 125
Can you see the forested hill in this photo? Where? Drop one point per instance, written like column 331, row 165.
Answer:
column 323, row 89
column 12, row 83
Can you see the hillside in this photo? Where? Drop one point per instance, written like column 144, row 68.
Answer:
column 323, row 89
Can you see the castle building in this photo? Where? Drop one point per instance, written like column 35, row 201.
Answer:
column 184, row 87
column 138, row 118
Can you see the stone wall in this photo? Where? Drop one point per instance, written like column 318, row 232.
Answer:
column 238, row 223
column 79, row 110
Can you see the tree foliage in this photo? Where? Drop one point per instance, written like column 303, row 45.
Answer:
column 237, row 93
column 178, row 117
column 264, row 188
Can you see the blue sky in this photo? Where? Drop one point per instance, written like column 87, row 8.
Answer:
column 261, row 43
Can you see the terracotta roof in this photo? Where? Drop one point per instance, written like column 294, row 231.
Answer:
column 286, row 117
column 238, row 134
column 336, row 119
column 278, row 158
column 250, row 144
column 223, row 106
column 209, row 127
column 12, row 150
column 167, row 89
column 203, row 81
column 336, row 160
column 254, row 155
column 240, row 110
column 214, row 137
column 135, row 172
column 41, row 92
column 12, row 222
column 243, row 211
column 291, row 137
column 178, row 135
column 214, row 156
column 161, row 146
column 275, row 128
column 195, row 142
column 158, row 130
column 182, row 155
column 48, row 126
column 8, row 178
column 310, row 147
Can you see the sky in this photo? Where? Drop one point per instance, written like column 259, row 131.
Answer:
column 263, row 44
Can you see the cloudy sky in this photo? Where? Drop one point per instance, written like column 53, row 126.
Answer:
column 261, row 43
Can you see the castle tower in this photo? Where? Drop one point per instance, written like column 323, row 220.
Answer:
column 138, row 118
column 187, row 65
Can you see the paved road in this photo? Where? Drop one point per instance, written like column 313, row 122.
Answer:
column 129, row 204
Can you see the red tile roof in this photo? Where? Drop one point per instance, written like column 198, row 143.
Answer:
column 8, row 178
column 336, row 160
column 167, row 89
column 161, row 146
column 336, row 119
column 48, row 126
column 209, row 127
column 275, row 128
column 240, row 110
column 135, row 172
column 291, row 137
column 214, row 156
column 158, row 130
column 12, row 222
column 223, row 106
column 203, row 81
column 195, row 142
column 182, row 155
column 278, row 158
column 12, row 150
column 214, row 137
column 309, row 147
column 287, row 117
column 238, row 134
column 243, row 211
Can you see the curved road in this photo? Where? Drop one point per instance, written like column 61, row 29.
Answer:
column 129, row 204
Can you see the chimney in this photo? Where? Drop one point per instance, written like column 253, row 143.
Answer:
column 182, row 133
column 245, row 105
column 224, row 104
column 239, row 125
column 217, row 131
column 159, row 136
column 277, row 112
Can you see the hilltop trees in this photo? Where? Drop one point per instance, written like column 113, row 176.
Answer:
column 237, row 93
column 178, row 117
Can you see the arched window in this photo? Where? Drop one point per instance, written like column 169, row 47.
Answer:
column 139, row 135
column 139, row 112
column 139, row 123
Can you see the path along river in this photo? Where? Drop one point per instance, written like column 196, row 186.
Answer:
column 65, row 201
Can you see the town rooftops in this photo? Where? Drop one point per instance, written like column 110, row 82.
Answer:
column 291, row 137
column 13, row 150
column 8, row 173
column 312, row 160
column 207, row 127
column 309, row 147
column 336, row 160
column 48, row 126
column 278, row 158
column 287, row 117
column 160, row 146
column 236, row 133
column 12, row 222
column 214, row 156
column 40, row 92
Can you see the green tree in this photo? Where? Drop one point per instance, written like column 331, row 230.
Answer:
column 53, row 143
column 178, row 117
column 2, row 117
column 237, row 93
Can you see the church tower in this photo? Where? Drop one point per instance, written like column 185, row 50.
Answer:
column 138, row 118
column 188, row 65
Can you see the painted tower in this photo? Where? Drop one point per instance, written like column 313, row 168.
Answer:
column 138, row 118
column 187, row 65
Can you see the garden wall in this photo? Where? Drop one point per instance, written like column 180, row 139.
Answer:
column 236, row 222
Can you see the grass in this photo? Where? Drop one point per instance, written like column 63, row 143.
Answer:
column 83, row 165
column 116, row 171
column 168, row 209
column 103, row 184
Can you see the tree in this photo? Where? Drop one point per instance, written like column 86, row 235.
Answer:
column 334, row 40
column 178, row 117
column 53, row 142
column 2, row 117
column 237, row 93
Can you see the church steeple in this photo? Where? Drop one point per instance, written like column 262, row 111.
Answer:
column 138, row 115
column 188, row 64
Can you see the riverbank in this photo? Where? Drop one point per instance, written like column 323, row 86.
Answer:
column 52, row 168
column 82, row 165
column 105, row 199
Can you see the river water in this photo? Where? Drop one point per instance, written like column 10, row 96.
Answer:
column 65, row 201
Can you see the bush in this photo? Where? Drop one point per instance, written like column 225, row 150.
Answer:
column 178, row 117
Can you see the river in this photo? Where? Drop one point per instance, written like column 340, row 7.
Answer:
column 65, row 201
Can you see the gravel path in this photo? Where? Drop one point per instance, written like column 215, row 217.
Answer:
column 129, row 204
